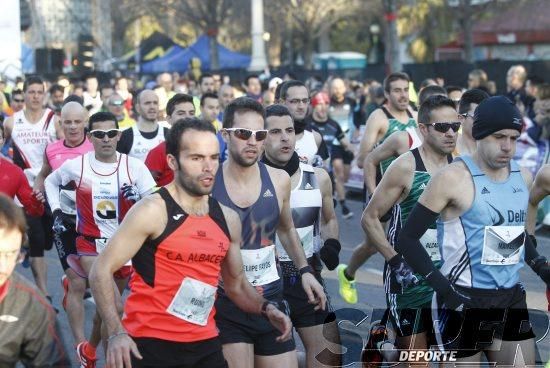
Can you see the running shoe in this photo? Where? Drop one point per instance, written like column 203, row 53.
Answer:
column 347, row 289
column 85, row 360
column 346, row 213
column 65, row 285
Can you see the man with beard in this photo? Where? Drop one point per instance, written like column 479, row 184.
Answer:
column 389, row 118
column 178, row 260
column 260, row 195
column 147, row 133
column 315, row 220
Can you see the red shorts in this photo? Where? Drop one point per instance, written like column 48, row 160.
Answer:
column 87, row 247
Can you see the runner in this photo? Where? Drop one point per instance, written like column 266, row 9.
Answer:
column 338, row 144
column 178, row 261
column 178, row 107
column 147, row 133
column 313, row 215
column 389, row 118
column 73, row 121
column 478, row 271
column 30, row 130
column 408, row 296
column 260, row 195
column 107, row 185
column 13, row 183
column 470, row 99
column 295, row 96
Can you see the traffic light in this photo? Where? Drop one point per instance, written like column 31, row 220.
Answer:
column 85, row 56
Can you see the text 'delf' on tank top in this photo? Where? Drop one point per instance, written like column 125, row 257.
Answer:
column 259, row 224
column 174, row 285
column 484, row 247
column 394, row 125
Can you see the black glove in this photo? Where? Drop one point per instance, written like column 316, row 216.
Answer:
column 130, row 192
column 329, row 253
column 403, row 273
column 541, row 268
column 60, row 223
column 447, row 296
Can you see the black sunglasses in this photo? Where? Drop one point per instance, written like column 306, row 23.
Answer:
column 18, row 100
column 444, row 127
column 100, row 134
column 245, row 134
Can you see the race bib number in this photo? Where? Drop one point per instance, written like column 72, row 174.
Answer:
column 429, row 242
column 259, row 265
column 502, row 245
column 306, row 237
column 101, row 244
column 193, row 302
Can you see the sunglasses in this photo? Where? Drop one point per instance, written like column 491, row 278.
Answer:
column 18, row 100
column 100, row 134
column 245, row 134
column 466, row 115
column 444, row 127
column 116, row 103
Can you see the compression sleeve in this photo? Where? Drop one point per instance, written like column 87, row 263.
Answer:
column 408, row 243
column 69, row 171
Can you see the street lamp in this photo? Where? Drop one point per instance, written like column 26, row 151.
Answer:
column 375, row 38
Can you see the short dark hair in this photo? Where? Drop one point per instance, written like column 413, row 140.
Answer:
column 239, row 105
column 430, row 91
column 277, row 110
column 12, row 216
column 471, row 96
column 451, row 89
column 99, row 117
column 208, row 95
column 33, row 79
column 73, row 98
column 173, row 139
column 433, row 103
column 249, row 77
column 56, row 88
column 89, row 76
column 205, row 75
column 285, row 86
column 535, row 80
column 103, row 86
column 16, row 92
column 393, row 77
column 176, row 100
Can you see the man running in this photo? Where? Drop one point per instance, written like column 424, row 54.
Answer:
column 147, row 133
column 178, row 260
column 394, row 116
column 73, row 121
column 481, row 201
column 466, row 144
column 107, row 184
column 260, row 195
column 313, row 215
column 408, row 299
column 338, row 144
column 30, row 130
column 178, row 107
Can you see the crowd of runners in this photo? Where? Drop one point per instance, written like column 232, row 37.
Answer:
column 201, row 215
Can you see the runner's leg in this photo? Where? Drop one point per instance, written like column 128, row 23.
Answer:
column 289, row 359
column 239, row 355
column 318, row 338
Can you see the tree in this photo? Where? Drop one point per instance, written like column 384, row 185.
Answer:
column 207, row 15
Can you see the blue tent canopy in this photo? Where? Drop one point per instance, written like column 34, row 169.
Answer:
column 177, row 58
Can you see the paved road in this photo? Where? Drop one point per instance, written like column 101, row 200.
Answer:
column 371, row 295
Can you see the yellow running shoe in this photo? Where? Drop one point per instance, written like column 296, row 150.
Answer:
column 347, row 289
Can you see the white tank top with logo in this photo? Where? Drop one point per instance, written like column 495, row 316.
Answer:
column 141, row 145
column 306, row 147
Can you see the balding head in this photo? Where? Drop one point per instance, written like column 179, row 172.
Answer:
column 74, row 118
column 147, row 105
column 337, row 89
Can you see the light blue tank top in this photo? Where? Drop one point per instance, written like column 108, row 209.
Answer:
column 483, row 248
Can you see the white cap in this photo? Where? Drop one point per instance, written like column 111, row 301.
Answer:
column 274, row 82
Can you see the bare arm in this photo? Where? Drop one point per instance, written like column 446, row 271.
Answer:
column 539, row 190
column 8, row 128
column 393, row 187
column 41, row 177
column 375, row 128
column 318, row 138
column 329, row 222
column 394, row 146
column 123, row 245
column 58, row 129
